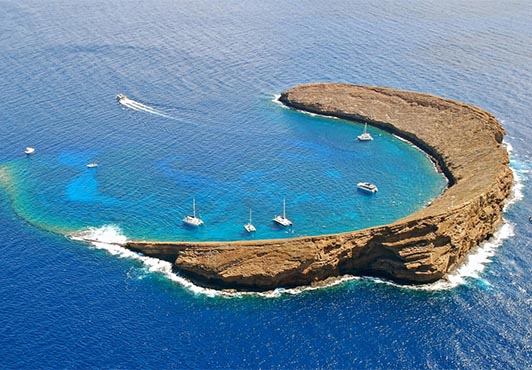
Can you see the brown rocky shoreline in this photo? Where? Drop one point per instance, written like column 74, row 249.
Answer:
column 466, row 143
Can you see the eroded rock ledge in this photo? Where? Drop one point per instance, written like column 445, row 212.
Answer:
column 421, row 248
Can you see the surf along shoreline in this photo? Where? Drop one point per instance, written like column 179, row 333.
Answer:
column 466, row 143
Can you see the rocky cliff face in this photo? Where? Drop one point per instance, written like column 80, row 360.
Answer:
column 421, row 248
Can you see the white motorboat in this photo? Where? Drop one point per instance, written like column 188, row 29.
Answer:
column 29, row 150
column 365, row 136
column 249, row 226
column 282, row 220
column 366, row 186
column 92, row 165
column 119, row 97
column 193, row 220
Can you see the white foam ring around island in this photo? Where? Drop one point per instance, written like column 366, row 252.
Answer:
column 139, row 107
column 111, row 239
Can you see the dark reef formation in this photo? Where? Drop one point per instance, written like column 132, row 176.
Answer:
column 464, row 140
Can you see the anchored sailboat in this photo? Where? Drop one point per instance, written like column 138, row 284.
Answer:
column 365, row 136
column 366, row 186
column 193, row 220
column 249, row 226
column 282, row 220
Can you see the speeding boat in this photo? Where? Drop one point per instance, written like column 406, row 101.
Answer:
column 29, row 150
column 282, row 220
column 366, row 186
column 120, row 97
column 193, row 220
column 365, row 136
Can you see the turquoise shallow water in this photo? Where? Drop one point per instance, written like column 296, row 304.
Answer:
column 313, row 162
column 208, row 70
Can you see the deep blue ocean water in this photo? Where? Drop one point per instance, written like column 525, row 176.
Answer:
column 204, row 76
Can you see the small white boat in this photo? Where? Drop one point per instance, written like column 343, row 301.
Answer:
column 29, row 150
column 92, row 165
column 365, row 136
column 282, row 220
column 193, row 220
column 366, row 186
column 249, row 226
column 119, row 97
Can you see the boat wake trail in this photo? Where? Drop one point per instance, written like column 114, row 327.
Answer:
column 139, row 107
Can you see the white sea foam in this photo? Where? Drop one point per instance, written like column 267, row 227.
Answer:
column 276, row 100
column 477, row 259
column 111, row 238
column 520, row 172
column 139, row 107
column 475, row 262
column 472, row 267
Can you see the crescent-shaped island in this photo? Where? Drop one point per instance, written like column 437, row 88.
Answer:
column 464, row 141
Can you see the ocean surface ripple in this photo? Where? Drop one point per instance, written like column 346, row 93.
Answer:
column 200, row 77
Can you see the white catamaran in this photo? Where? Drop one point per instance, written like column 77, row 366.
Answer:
column 249, row 226
column 282, row 220
column 193, row 220
column 365, row 136
column 366, row 186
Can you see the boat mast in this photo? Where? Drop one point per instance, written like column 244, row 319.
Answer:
column 284, row 208
column 194, row 206
column 250, row 215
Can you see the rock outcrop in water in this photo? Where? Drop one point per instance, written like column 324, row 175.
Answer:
column 464, row 140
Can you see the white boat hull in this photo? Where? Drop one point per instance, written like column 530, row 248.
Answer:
column 250, row 228
column 283, row 221
column 364, row 137
column 367, row 187
column 193, row 221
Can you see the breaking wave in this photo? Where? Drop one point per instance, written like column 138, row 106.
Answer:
column 112, row 239
column 520, row 171
column 472, row 268
column 276, row 100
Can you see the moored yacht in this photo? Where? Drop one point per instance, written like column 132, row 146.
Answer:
column 92, row 165
column 366, row 186
column 193, row 220
column 29, row 150
column 282, row 220
column 249, row 226
column 365, row 136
